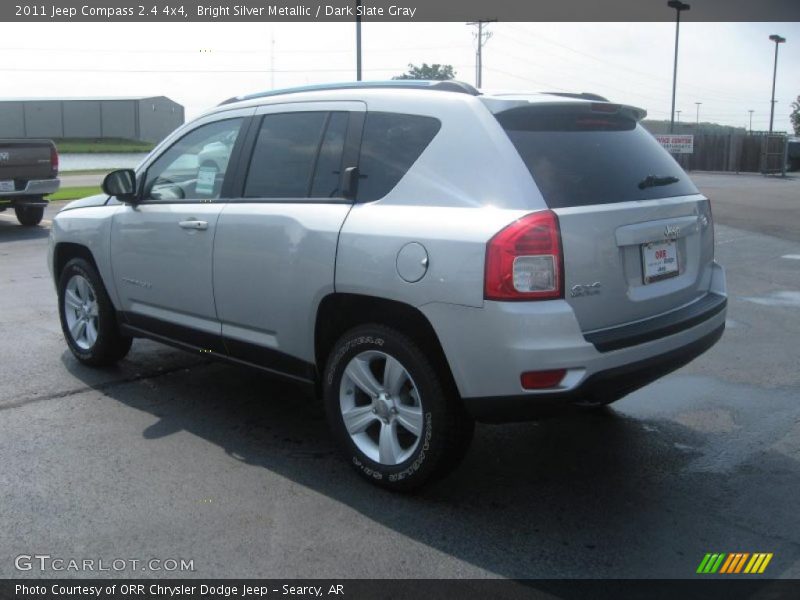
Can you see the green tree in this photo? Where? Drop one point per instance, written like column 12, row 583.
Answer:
column 795, row 116
column 426, row 71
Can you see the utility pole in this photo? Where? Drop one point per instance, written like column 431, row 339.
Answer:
column 751, row 121
column 778, row 40
column 358, row 40
column 678, row 6
column 678, row 112
column 697, row 123
column 482, row 37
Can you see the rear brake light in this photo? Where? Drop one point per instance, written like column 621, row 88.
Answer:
column 524, row 260
column 605, row 108
column 53, row 160
column 537, row 380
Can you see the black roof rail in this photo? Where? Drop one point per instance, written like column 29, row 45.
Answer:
column 413, row 84
column 581, row 96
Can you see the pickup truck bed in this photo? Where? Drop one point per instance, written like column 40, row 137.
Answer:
column 28, row 172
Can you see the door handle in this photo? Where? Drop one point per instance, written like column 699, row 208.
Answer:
column 192, row 224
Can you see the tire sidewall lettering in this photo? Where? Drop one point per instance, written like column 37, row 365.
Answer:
column 362, row 339
column 374, row 472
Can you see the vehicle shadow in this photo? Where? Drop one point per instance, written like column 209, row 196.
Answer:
column 11, row 231
column 565, row 496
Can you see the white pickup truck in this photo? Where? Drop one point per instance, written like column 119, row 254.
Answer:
column 28, row 172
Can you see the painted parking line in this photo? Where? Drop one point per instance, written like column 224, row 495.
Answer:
column 791, row 256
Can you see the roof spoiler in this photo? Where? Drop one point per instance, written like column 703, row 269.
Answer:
column 580, row 96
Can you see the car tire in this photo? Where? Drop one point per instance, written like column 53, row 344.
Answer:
column 88, row 318
column 396, row 420
column 29, row 216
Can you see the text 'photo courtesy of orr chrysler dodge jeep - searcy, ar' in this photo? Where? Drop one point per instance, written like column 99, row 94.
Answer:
column 421, row 254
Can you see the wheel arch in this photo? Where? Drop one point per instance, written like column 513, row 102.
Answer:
column 63, row 252
column 339, row 312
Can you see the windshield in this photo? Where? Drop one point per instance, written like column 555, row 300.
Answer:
column 585, row 158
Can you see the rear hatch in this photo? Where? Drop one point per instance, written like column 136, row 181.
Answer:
column 637, row 236
column 25, row 160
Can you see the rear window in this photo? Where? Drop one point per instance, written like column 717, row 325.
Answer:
column 390, row 145
column 584, row 158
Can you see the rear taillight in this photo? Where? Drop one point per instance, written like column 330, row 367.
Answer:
column 53, row 160
column 524, row 260
column 538, row 380
column 711, row 226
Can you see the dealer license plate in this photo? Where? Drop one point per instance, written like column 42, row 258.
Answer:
column 659, row 260
column 6, row 185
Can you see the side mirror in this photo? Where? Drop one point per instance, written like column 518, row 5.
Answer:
column 350, row 183
column 122, row 184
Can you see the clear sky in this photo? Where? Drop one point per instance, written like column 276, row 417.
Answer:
column 725, row 66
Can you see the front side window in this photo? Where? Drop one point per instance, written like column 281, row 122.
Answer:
column 298, row 155
column 193, row 168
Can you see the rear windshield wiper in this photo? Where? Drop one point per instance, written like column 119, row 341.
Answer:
column 655, row 180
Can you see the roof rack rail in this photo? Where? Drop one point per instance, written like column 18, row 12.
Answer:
column 414, row 84
column 581, row 96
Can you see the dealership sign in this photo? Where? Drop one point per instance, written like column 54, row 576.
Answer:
column 677, row 144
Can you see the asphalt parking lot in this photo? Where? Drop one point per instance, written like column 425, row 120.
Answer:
column 170, row 456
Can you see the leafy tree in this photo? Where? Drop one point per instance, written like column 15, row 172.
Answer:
column 795, row 116
column 426, row 71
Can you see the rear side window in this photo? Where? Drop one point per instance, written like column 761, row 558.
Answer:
column 297, row 155
column 584, row 158
column 391, row 143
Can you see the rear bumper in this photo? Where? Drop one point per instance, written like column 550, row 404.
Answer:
column 603, row 385
column 34, row 187
column 489, row 348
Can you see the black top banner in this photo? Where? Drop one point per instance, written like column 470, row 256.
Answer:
column 396, row 10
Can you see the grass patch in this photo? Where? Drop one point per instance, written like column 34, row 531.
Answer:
column 72, row 193
column 97, row 145
column 87, row 172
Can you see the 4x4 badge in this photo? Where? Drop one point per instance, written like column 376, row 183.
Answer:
column 590, row 289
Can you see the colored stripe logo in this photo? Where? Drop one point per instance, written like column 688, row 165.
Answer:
column 734, row 562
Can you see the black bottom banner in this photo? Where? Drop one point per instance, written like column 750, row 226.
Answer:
column 397, row 589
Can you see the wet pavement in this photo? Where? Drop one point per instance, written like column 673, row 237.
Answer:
column 172, row 456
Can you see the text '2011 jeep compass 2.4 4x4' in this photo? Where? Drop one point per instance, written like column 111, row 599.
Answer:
column 425, row 254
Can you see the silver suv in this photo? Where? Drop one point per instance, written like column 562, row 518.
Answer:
column 422, row 253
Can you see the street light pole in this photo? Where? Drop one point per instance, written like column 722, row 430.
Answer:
column 678, row 112
column 697, row 123
column 358, row 40
column 751, row 120
column 678, row 6
column 778, row 40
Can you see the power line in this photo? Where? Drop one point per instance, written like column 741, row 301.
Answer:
column 189, row 71
column 647, row 76
column 539, row 83
column 236, row 52
column 597, row 83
